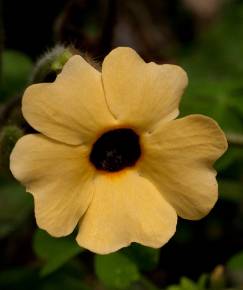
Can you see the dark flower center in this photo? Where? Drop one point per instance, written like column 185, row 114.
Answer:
column 115, row 150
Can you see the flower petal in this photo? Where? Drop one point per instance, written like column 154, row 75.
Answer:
column 179, row 159
column 73, row 108
column 140, row 93
column 125, row 208
column 59, row 178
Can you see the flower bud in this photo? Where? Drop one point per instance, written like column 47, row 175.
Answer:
column 50, row 64
column 217, row 278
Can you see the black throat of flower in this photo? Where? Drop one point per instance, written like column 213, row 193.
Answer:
column 116, row 150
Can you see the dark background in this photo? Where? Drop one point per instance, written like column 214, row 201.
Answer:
column 204, row 37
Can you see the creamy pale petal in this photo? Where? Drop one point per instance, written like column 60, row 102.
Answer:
column 139, row 93
column 125, row 208
column 178, row 159
column 73, row 108
column 58, row 177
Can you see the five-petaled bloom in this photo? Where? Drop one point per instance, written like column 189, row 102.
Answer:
column 110, row 155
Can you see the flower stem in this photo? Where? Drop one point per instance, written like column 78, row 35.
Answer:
column 235, row 139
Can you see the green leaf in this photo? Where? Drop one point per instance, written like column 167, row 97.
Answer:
column 188, row 284
column 16, row 68
column 54, row 251
column 236, row 262
column 116, row 271
column 15, row 207
column 174, row 287
column 235, row 268
column 145, row 258
column 202, row 282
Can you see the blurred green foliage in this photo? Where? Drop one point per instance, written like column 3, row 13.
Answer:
column 215, row 72
column 116, row 271
column 15, row 207
column 145, row 258
column 187, row 284
column 236, row 262
column 54, row 251
column 16, row 69
column 215, row 67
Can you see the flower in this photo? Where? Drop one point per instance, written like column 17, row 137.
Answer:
column 111, row 157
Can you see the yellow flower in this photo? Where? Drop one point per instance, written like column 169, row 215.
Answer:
column 110, row 156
